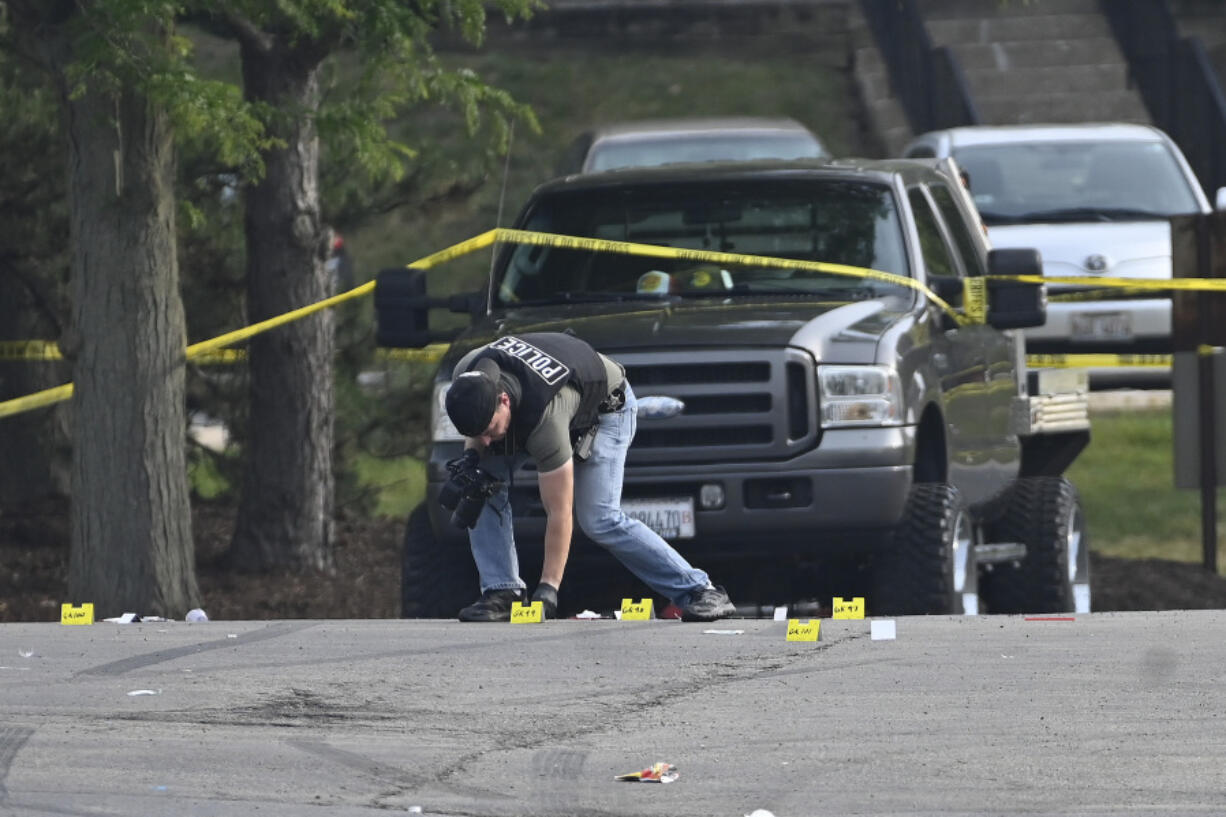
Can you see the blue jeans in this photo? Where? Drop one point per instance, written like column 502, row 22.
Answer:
column 598, row 492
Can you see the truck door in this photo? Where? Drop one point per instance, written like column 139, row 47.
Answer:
column 1000, row 348
column 960, row 356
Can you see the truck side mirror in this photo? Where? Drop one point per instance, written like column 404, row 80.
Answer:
column 1015, row 304
column 402, row 310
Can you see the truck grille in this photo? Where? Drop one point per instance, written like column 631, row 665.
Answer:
column 739, row 404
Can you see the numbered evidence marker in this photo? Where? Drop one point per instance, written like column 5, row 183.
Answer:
column 803, row 632
column 533, row 613
column 848, row 608
column 636, row 610
column 76, row 615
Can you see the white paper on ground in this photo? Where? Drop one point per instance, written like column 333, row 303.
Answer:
column 781, row 614
column 882, row 630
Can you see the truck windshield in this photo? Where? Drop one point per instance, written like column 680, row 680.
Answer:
column 834, row 221
column 1051, row 182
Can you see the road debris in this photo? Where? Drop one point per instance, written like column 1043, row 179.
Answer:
column 659, row 772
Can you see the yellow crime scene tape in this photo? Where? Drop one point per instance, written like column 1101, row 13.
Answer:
column 1097, row 361
column 974, row 302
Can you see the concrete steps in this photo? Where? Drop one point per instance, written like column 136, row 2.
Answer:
column 1053, row 61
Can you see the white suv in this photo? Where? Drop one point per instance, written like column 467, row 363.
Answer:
column 1095, row 200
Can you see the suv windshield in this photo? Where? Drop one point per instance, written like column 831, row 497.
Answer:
column 833, row 221
column 1075, row 181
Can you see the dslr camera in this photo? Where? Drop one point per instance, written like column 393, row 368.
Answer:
column 467, row 489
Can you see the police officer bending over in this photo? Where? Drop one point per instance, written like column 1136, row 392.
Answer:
column 552, row 397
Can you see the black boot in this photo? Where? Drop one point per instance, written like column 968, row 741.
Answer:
column 494, row 605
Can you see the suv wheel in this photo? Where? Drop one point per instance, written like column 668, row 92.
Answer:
column 435, row 580
column 930, row 567
column 1044, row 513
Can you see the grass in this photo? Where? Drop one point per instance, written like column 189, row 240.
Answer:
column 570, row 90
column 1126, row 478
column 399, row 483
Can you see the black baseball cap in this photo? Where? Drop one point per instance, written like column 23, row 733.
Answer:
column 473, row 398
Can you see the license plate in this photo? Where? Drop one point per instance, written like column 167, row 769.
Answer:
column 671, row 517
column 1102, row 326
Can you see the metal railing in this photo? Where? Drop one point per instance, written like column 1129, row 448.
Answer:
column 1177, row 82
column 928, row 81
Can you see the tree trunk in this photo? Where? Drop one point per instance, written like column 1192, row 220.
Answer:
column 285, row 514
column 131, row 518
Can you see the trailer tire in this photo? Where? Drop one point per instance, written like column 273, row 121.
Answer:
column 1044, row 514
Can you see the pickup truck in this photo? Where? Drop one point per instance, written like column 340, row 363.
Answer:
column 830, row 403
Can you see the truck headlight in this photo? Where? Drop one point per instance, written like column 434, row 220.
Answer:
column 441, row 428
column 859, row 396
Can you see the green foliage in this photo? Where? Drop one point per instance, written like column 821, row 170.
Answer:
column 212, row 116
column 34, row 230
column 391, row 487
column 207, row 476
column 124, row 46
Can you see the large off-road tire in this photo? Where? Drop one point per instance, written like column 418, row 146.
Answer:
column 929, row 566
column 436, row 580
column 1044, row 513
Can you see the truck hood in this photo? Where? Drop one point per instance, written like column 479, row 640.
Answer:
column 1132, row 249
column 849, row 330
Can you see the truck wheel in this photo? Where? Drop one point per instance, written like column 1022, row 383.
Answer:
column 1044, row 513
column 931, row 565
column 436, row 580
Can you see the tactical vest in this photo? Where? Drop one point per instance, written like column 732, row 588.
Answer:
column 542, row 363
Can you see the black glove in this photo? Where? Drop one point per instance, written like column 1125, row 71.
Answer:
column 547, row 594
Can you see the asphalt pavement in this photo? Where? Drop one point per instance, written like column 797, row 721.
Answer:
column 1096, row 714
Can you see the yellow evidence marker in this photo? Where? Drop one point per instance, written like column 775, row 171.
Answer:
column 76, row 615
column 808, row 631
column 533, row 613
column 848, row 608
column 636, row 611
